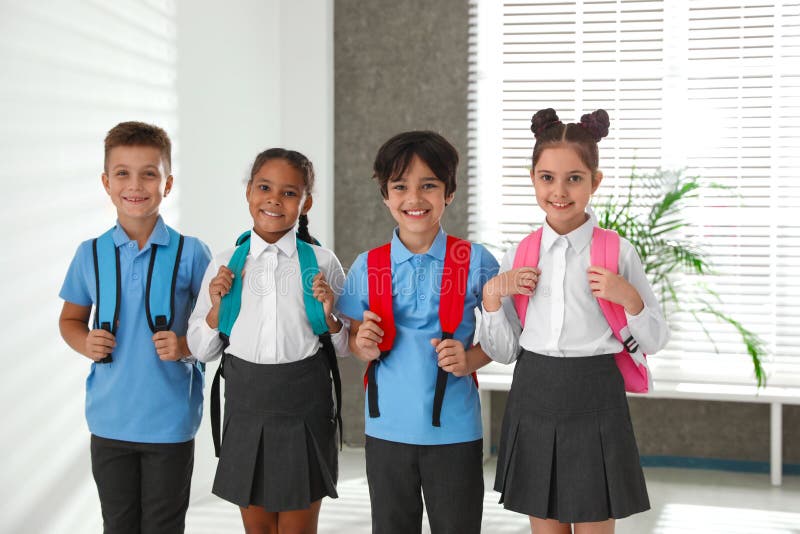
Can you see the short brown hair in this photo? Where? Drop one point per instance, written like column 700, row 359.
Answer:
column 395, row 156
column 133, row 133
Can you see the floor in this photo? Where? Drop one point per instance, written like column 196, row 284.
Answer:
column 683, row 501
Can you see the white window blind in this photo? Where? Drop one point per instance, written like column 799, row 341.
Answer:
column 711, row 86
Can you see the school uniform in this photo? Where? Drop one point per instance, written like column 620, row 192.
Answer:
column 404, row 451
column 567, row 449
column 142, row 411
column 279, row 446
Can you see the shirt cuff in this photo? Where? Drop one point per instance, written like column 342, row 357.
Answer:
column 489, row 316
column 340, row 339
column 639, row 316
column 210, row 343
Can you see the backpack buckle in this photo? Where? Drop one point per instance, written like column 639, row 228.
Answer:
column 628, row 342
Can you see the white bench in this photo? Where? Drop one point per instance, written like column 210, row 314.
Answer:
column 497, row 377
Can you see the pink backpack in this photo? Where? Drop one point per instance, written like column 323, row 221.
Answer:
column 604, row 252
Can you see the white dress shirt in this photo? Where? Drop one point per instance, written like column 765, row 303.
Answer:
column 272, row 326
column 563, row 317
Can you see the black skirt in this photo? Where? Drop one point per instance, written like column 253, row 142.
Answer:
column 567, row 448
column 278, row 436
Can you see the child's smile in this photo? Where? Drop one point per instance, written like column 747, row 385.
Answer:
column 416, row 213
column 135, row 200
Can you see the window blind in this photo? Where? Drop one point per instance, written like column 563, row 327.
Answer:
column 709, row 86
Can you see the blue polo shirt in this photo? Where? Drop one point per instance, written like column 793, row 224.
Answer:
column 406, row 378
column 138, row 397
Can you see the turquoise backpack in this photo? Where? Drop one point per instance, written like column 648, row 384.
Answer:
column 162, row 273
column 229, row 311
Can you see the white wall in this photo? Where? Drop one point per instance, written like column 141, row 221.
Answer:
column 225, row 83
column 249, row 80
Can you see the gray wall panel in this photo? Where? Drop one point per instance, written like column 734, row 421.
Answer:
column 398, row 66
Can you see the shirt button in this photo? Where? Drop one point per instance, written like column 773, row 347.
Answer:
column 422, row 297
column 135, row 276
column 130, row 245
column 422, row 277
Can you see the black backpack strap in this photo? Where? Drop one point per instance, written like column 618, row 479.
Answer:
column 333, row 364
column 441, row 385
column 215, row 398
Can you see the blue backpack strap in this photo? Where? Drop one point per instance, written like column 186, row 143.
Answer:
column 232, row 302
column 229, row 311
column 108, row 284
column 162, row 274
column 309, row 268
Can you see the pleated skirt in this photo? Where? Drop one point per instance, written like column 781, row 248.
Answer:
column 567, row 448
column 279, row 446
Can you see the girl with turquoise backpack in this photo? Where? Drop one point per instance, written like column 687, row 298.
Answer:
column 266, row 308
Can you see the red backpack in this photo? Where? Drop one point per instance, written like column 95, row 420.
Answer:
column 451, row 310
column 604, row 251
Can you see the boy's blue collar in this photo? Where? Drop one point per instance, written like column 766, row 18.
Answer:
column 400, row 253
column 159, row 235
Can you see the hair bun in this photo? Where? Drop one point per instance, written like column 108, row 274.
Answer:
column 596, row 123
column 542, row 120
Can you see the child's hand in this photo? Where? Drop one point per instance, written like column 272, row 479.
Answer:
column 452, row 356
column 614, row 288
column 219, row 286
column 99, row 344
column 167, row 346
column 520, row 281
column 323, row 293
column 368, row 336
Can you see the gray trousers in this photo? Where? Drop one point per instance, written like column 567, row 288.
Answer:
column 450, row 477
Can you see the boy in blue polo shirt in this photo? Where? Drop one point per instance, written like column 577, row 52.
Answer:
column 406, row 452
column 144, row 393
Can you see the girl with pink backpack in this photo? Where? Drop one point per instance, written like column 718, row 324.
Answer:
column 573, row 306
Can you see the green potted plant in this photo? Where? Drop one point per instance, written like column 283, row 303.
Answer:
column 649, row 215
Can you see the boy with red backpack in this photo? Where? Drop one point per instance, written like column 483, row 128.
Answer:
column 412, row 306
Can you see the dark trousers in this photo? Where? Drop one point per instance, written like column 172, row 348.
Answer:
column 449, row 476
column 143, row 487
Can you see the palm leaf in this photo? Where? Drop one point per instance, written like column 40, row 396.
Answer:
column 650, row 216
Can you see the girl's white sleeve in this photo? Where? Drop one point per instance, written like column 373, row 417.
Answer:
column 649, row 327
column 500, row 329
column 334, row 274
column 204, row 341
